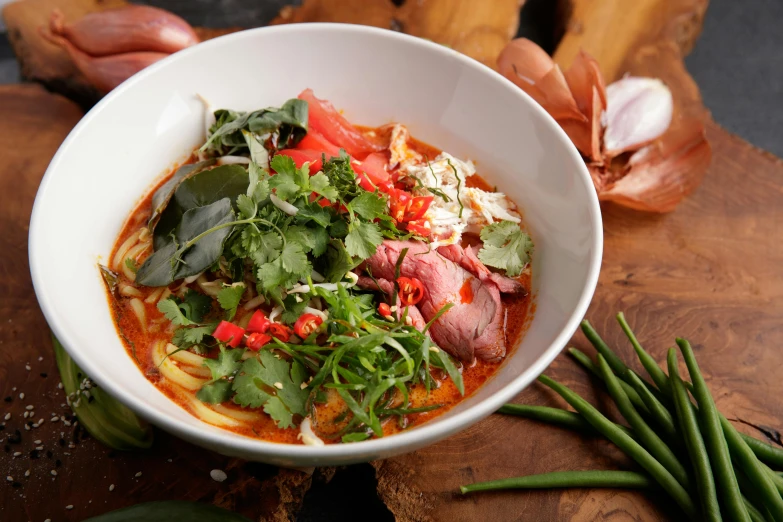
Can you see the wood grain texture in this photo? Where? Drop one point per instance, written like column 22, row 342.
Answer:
column 34, row 124
column 477, row 29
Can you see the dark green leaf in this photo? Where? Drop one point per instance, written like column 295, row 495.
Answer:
column 215, row 392
column 369, row 205
column 229, row 298
column 363, row 239
column 164, row 193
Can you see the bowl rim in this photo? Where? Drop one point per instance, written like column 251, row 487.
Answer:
column 420, row 436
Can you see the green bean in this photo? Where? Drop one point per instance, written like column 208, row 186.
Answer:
column 566, row 479
column 750, row 496
column 766, row 453
column 555, row 416
column 712, row 432
column 694, row 442
column 776, row 478
column 646, row 436
column 615, row 363
column 583, row 359
column 755, row 514
column 653, row 370
column 658, row 412
column 627, row 444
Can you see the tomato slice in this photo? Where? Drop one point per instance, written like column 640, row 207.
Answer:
column 280, row 331
column 417, row 208
column 411, row 290
column 306, row 325
column 421, row 227
column 301, row 157
column 255, row 341
column 258, row 322
column 229, row 333
column 316, row 141
column 324, row 119
column 374, row 166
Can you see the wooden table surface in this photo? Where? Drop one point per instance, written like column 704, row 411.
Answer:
column 707, row 272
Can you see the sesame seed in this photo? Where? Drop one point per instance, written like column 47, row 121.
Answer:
column 39, row 448
column 29, row 407
column 111, row 488
column 54, row 419
column 303, row 386
column 26, row 414
column 169, row 460
column 40, row 421
column 137, row 475
column 60, row 385
column 66, row 423
column 7, row 416
column 40, row 359
column 17, row 453
column 27, row 427
column 35, row 425
column 36, row 442
column 434, row 349
column 21, row 395
column 279, row 385
column 27, row 367
column 48, row 520
column 27, row 473
column 53, row 472
column 218, row 475
column 69, row 506
column 9, row 478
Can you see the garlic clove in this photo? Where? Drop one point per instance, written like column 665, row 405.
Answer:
column 663, row 173
column 638, row 111
column 532, row 69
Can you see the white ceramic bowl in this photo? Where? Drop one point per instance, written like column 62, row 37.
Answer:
column 154, row 120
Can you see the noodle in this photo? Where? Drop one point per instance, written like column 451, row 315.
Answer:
column 241, row 415
column 172, row 372
column 153, row 297
column 138, row 310
column 198, row 371
column 130, row 291
column 119, row 257
column 184, row 356
column 254, row 303
column 211, row 416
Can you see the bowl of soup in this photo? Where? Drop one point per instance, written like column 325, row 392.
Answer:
column 318, row 261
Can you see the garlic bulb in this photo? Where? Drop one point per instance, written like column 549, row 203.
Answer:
column 638, row 110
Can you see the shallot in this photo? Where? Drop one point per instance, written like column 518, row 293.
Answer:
column 133, row 28
column 667, row 152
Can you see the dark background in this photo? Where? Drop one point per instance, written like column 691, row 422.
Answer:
column 737, row 63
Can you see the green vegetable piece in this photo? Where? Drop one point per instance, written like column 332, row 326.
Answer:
column 658, row 376
column 657, row 411
column 215, row 392
column 363, row 239
column 162, row 196
column 627, row 444
column 105, row 418
column 229, row 298
column 505, row 247
column 566, row 479
column 694, row 442
column 169, row 511
column 714, row 440
column 369, row 205
column 557, row 417
column 200, row 237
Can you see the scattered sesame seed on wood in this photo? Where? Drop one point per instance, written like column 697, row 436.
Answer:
column 218, row 475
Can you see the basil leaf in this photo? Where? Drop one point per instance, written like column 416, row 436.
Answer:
column 165, row 192
column 168, row 510
column 172, row 262
column 199, row 190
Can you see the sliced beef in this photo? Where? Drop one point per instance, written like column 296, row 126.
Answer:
column 473, row 327
column 467, row 259
column 387, row 287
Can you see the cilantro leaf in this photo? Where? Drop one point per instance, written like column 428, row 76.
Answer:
column 185, row 312
column 505, row 247
column 229, row 298
column 258, row 187
column 215, row 392
column 293, row 309
column 369, row 205
column 226, row 364
column 284, row 185
column 270, row 244
column 312, row 239
column 342, row 176
column 247, row 207
column 363, row 239
column 314, row 212
column 319, row 184
column 275, row 408
column 195, row 335
column 294, row 260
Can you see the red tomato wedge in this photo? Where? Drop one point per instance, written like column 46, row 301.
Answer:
column 301, row 157
column 315, row 141
column 325, row 120
column 374, row 166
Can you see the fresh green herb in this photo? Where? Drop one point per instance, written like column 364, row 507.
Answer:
column 363, row 239
column 131, row 264
column 342, row 176
column 505, row 247
column 229, row 298
column 187, row 311
column 459, row 188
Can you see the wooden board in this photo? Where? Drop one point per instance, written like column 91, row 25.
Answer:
column 707, row 272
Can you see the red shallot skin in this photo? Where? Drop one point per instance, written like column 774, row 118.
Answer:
column 105, row 72
column 129, row 29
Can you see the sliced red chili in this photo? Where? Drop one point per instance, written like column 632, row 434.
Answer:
column 420, row 227
column 229, row 333
column 306, row 325
column 259, row 322
column 280, row 331
column 417, row 207
column 384, row 309
column 256, row 340
column 398, row 204
column 411, row 290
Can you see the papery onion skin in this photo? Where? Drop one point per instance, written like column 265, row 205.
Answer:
column 105, row 72
column 129, row 29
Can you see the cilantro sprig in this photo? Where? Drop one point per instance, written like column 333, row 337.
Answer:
column 505, row 247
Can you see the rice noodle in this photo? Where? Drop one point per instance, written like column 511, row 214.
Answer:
column 241, row 415
column 171, row 371
column 184, row 356
column 254, row 303
column 154, row 295
column 138, row 310
column 119, row 256
column 130, row 291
